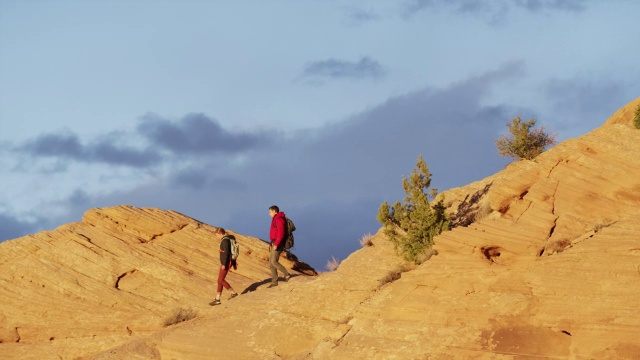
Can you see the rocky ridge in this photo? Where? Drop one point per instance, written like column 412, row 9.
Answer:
column 117, row 275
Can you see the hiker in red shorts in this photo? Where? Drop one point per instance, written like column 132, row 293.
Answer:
column 225, row 263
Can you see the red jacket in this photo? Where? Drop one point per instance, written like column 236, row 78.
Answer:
column 278, row 225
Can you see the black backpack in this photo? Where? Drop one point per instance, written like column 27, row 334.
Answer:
column 288, row 235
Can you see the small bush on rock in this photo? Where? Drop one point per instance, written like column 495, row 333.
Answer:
column 557, row 246
column 332, row 264
column 396, row 274
column 427, row 255
column 636, row 119
column 390, row 277
column 412, row 225
column 525, row 141
column 365, row 240
column 179, row 315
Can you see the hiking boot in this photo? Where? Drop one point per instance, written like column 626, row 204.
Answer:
column 272, row 285
column 286, row 278
column 215, row 302
column 232, row 296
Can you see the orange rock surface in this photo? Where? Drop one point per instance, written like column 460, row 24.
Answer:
column 117, row 275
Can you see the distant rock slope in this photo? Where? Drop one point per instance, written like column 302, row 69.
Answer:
column 117, row 275
column 543, row 263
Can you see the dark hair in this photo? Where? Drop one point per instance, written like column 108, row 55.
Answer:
column 221, row 231
column 275, row 208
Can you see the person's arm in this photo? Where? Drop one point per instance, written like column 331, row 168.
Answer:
column 280, row 224
column 225, row 252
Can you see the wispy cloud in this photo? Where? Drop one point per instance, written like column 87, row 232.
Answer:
column 197, row 178
column 359, row 16
column 564, row 5
column 67, row 146
column 340, row 69
column 494, row 8
column 157, row 140
column 199, row 134
column 64, row 144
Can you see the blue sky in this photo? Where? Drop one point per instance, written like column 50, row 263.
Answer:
column 219, row 109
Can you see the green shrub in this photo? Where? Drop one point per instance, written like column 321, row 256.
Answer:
column 411, row 225
column 525, row 141
column 636, row 119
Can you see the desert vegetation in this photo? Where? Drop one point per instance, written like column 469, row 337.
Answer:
column 332, row 264
column 601, row 225
column 365, row 240
column 179, row 315
column 427, row 255
column 412, row 224
column 484, row 210
column 636, row 119
column 555, row 247
column 392, row 276
column 395, row 274
column 525, row 141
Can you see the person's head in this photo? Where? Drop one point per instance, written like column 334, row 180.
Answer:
column 273, row 210
column 220, row 231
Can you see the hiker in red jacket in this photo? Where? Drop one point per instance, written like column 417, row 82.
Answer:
column 276, row 235
column 226, row 262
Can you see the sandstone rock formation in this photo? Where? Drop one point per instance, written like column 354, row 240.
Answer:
column 117, row 275
column 543, row 262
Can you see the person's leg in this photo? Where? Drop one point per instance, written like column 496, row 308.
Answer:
column 221, row 283
column 277, row 264
column 273, row 260
column 225, row 284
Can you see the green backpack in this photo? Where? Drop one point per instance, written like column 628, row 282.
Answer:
column 235, row 248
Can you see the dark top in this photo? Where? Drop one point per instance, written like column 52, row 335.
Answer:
column 225, row 250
